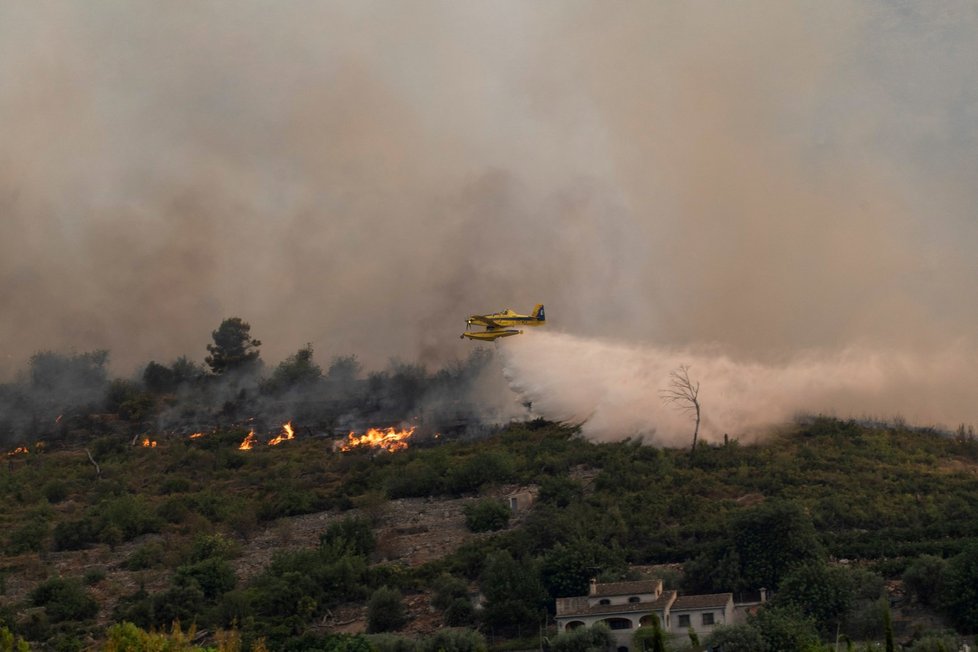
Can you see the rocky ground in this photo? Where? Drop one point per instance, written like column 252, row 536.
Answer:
column 411, row 531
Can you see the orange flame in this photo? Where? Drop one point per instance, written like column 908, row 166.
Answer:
column 149, row 443
column 288, row 434
column 197, row 435
column 389, row 440
column 248, row 442
column 20, row 450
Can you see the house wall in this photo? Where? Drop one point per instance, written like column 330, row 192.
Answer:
column 623, row 637
column 635, row 620
column 721, row 616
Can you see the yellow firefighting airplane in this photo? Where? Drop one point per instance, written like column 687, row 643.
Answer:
column 498, row 324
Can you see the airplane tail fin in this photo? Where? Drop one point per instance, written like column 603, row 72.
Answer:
column 538, row 312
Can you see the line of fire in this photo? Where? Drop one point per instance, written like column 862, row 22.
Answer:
column 67, row 400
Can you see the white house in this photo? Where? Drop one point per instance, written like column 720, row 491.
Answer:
column 627, row 606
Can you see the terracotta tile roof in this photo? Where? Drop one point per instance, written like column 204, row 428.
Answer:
column 701, row 601
column 626, row 588
column 579, row 606
column 571, row 605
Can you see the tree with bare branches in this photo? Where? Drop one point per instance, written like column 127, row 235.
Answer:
column 684, row 394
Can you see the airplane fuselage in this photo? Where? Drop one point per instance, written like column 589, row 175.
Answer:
column 501, row 324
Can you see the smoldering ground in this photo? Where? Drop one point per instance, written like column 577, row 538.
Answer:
column 768, row 182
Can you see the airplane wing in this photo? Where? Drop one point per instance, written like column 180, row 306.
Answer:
column 485, row 321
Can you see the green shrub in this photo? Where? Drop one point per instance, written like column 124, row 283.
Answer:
column 486, row 515
column 214, row 576
column 208, row 546
column 351, row 535
column 483, row 468
column 29, row 537
column 455, row 640
column 385, row 611
column 460, row 613
column 392, row 643
column 145, row 556
column 447, row 589
column 583, row 639
column 924, row 579
column 10, row 644
column 181, row 603
column 55, row 491
column 75, row 534
column 175, row 485
column 64, row 600
column 959, row 599
column 131, row 515
column 736, row 638
column 939, row 642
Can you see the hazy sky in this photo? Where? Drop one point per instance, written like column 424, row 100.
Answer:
column 766, row 180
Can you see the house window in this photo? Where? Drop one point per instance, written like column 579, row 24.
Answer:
column 618, row 623
column 604, row 601
column 708, row 618
column 634, row 598
column 684, row 620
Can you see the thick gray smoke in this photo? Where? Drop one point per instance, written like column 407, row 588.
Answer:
column 615, row 389
column 760, row 180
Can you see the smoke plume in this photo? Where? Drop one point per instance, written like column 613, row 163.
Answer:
column 614, row 389
column 784, row 188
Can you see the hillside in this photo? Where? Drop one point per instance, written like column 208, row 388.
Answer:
column 287, row 543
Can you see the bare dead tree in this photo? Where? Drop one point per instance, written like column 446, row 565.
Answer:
column 683, row 394
column 98, row 469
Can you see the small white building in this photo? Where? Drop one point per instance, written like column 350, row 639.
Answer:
column 627, row 606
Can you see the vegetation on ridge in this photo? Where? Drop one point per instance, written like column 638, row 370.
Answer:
column 820, row 513
column 739, row 517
